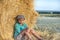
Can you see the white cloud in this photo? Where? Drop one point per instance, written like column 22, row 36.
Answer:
column 47, row 5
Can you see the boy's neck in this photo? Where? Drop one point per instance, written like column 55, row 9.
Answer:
column 21, row 23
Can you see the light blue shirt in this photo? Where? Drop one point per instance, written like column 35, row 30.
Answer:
column 19, row 28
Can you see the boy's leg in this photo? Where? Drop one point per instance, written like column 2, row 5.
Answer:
column 28, row 34
column 35, row 34
column 20, row 35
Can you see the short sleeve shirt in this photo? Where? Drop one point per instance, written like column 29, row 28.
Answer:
column 19, row 28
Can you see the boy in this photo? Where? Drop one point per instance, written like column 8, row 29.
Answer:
column 21, row 29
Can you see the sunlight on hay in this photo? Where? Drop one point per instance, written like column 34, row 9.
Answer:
column 9, row 9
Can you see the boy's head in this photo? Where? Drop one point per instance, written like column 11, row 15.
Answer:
column 20, row 18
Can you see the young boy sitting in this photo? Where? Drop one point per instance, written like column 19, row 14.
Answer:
column 21, row 28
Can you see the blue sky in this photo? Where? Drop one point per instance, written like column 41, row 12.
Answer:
column 50, row 5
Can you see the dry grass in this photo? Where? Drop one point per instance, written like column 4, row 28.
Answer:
column 9, row 9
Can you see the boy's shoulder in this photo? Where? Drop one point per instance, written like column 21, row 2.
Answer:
column 24, row 23
column 16, row 24
column 19, row 23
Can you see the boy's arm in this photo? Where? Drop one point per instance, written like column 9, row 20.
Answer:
column 26, row 27
column 17, row 28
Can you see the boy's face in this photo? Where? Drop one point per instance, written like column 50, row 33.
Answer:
column 21, row 21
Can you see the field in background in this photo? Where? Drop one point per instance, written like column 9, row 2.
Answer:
column 49, row 24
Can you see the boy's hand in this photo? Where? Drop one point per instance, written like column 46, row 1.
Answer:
column 28, row 30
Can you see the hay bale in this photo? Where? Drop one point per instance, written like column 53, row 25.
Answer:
column 9, row 9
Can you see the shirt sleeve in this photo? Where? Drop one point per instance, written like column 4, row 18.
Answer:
column 26, row 26
column 17, row 28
